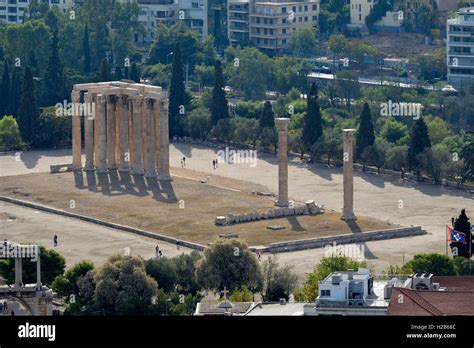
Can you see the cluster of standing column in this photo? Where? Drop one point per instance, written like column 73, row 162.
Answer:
column 125, row 129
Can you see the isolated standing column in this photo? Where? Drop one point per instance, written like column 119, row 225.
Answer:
column 282, row 127
column 348, row 178
column 76, row 133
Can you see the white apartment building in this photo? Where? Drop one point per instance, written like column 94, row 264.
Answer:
column 460, row 47
column 12, row 11
column 273, row 22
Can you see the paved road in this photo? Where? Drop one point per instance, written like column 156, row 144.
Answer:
column 398, row 201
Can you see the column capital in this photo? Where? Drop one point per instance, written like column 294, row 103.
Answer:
column 124, row 99
column 101, row 99
column 150, row 103
column 282, row 124
column 75, row 96
column 137, row 102
column 89, row 97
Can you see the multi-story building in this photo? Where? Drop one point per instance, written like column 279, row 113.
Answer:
column 273, row 22
column 359, row 10
column 460, row 47
column 194, row 14
column 238, row 21
column 13, row 11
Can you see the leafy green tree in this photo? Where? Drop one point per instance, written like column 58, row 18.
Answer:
column 86, row 51
column 52, row 265
column 28, row 113
column 279, row 282
column 303, row 40
column 289, row 73
column 437, row 264
column 219, row 107
column 229, row 264
column 53, row 84
column 326, row 266
column 5, row 88
column 163, row 270
column 438, row 129
column 242, row 68
column 186, row 267
column 338, row 44
column 66, row 284
column 123, row 287
column 177, row 95
column 463, row 266
column 241, row 295
column 467, row 154
column 52, row 130
column 365, row 135
column 313, row 123
column 397, row 158
column 174, row 304
column 419, row 140
column 245, row 130
column 198, row 123
column 10, row 137
column 393, row 131
column 436, row 161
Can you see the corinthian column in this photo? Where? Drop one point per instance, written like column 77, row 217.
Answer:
column 76, row 133
column 282, row 127
column 124, row 148
column 157, row 135
column 89, row 131
column 348, row 178
column 111, row 104
column 150, row 141
column 137, row 166
column 164, row 142
column 102, row 134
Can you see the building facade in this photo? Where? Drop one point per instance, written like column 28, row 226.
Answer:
column 460, row 47
column 13, row 11
column 272, row 23
column 359, row 10
column 238, row 21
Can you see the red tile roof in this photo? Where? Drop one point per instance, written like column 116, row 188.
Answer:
column 421, row 302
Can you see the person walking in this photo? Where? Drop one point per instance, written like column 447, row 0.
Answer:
column 214, row 164
column 55, row 240
column 184, row 161
column 157, row 251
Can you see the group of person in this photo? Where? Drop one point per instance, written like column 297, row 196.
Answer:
column 215, row 163
column 158, row 251
column 4, row 308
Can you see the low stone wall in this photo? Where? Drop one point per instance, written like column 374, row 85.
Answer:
column 344, row 239
column 113, row 225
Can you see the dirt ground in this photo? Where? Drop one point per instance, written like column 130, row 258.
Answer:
column 185, row 208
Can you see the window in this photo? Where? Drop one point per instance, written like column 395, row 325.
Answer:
column 326, row 293
column 195, row 5
column 360, row 17
column 283, row 10
column 300, row 8
column 283, row 31
column 283, row 41
column 315, row 7
column 306, row 8
column 305, row 18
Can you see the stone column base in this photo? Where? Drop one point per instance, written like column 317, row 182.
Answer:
column 348, row 217
column 90, row 168
column 124, row 169
column 282, row 204
column 164, row 177
column 102, row 171
column 152, row 175
column 137, row 171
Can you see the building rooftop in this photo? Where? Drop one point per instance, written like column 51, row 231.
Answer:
column 288, row 309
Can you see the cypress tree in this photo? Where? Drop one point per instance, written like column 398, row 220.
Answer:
column 313, row 124
column 5, row 89
column 53, row 86
column 104, row 71
column 419, row 140
column 219, row 107
column 86, row 51
column 267, row 120
column 118, row 74
column 15, row 93
column 462, row 224
column 126, row 73
column 177, row 96
column 365, row 135
column 28, row 113
column 33, row 63
column 135, row 73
